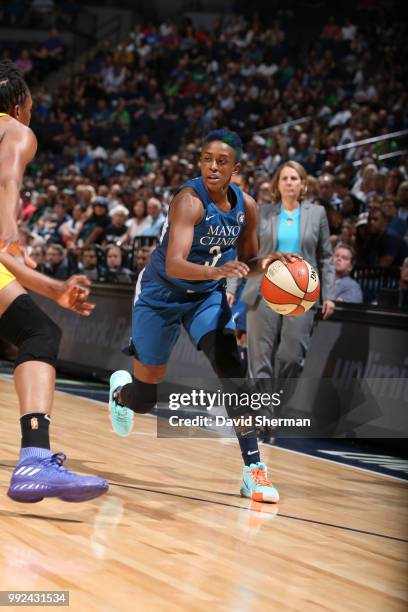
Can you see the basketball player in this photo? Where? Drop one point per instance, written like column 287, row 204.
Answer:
column 209, row 221
column 39, row 473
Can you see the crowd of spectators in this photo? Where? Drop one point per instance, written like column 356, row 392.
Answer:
column 37, row 60
column 38, row 13
column 123, row 133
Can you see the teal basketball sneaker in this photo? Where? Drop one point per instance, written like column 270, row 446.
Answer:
column 256, row 485
column 121, row 417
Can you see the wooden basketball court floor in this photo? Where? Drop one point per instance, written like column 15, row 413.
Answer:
column 173, row 534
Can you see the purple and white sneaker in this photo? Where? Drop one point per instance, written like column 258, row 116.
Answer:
column 35, row 478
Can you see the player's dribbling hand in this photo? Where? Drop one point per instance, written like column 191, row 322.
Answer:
column 232, row 269
column 74, row 293
column 285, row 258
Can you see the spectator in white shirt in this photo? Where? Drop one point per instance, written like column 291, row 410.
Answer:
column 348, row 31
column 137, row 224
column 157, row 218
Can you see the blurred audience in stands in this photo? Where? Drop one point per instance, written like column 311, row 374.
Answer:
column 119, row 135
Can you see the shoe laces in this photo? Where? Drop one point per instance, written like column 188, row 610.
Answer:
column 57, row 461
column 259, row 475
column 121, row 413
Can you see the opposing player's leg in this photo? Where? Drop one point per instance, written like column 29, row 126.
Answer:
column 210, row 327
column 39, row 473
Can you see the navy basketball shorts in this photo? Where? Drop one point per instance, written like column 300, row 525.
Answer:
column 159, row 313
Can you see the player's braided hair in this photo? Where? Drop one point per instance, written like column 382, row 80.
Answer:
column 13, row 88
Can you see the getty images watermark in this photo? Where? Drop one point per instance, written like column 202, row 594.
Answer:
column 238, row 401
column 304, row 407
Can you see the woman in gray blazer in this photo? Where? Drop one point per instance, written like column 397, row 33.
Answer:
column 293, row 225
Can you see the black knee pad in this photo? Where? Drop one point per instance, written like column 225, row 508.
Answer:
column 139, row 396
column 36, row 336
column 221, row 349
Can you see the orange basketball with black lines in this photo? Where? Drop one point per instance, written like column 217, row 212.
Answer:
column 290, row 289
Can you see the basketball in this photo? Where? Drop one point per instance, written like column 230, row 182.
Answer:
column 290, row 289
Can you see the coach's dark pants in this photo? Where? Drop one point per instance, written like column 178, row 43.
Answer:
column 277, row 344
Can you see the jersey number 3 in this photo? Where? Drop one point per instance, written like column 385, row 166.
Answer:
column 216, row 252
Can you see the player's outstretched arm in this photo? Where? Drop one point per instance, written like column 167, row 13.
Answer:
column 18, row 148
column 72, row 293
column 185, row 212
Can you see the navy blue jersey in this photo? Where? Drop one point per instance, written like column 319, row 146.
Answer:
column 214, row 240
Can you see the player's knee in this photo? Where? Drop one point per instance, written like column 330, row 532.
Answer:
column 139, row 396
column 42, row 344
column 151, row 374
column 36, row 336
column 222, row 352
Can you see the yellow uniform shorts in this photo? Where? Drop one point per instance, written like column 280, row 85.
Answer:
column 6, row 277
